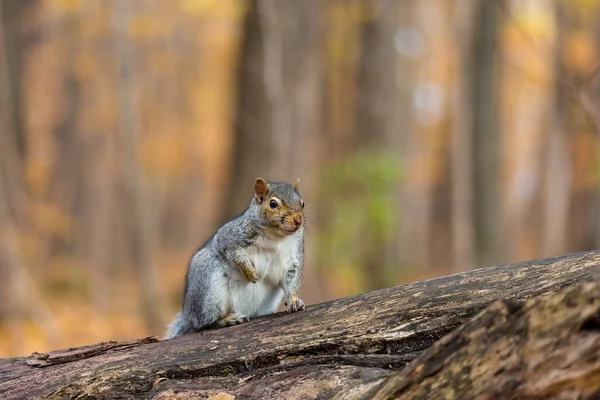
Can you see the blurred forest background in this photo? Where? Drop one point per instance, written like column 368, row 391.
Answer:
column 430, row 137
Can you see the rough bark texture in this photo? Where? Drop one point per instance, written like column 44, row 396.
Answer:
column 546, row 349
column 357, row 347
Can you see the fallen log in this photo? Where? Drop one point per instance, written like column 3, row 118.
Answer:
column 546, row 349
column 354, row 347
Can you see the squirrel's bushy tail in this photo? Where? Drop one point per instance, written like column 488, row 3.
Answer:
column 179, row 327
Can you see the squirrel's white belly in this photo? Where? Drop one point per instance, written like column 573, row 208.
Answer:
column 272, row 260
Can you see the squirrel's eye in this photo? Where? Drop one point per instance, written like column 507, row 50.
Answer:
column 302, row 203
column 273, row 204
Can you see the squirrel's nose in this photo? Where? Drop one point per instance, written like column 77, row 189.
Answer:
column 298, row 219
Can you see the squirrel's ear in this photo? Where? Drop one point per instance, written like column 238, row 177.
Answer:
column 297, row 184
column 261, row 187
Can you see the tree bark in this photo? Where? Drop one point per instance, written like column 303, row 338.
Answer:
column 349, row 348
column 545, row 349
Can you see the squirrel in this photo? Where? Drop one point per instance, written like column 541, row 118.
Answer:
column 246, row 268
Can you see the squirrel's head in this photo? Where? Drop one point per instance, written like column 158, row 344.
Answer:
column 280, row 206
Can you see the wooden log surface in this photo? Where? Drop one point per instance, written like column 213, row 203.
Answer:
column 548, row 348
column 347, row 348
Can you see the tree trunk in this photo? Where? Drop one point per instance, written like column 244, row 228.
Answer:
column 484, row 128
column 279, row 96
column 558, row 168
column 143, row 220
column 350, row 347
column 14, row 44
column 475, row 197
column 462, row 141
column 377, row 127
column 19, row 297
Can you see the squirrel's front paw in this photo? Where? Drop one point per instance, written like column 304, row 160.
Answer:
column 251, row 274
column 296, row 305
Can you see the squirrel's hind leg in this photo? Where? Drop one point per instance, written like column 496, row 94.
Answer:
column 207, row 295
column 231, row 319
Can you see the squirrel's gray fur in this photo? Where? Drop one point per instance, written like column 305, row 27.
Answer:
column 245, row 269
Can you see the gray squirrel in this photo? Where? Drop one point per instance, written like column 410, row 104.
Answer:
column 246, row 268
